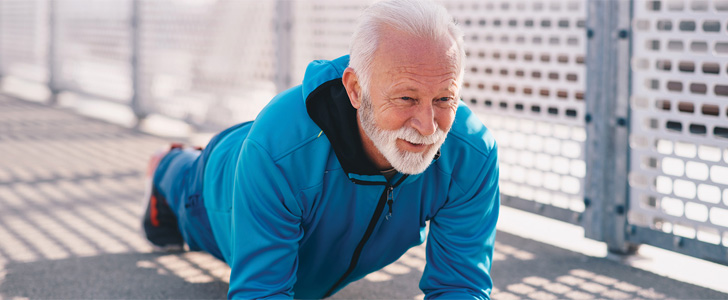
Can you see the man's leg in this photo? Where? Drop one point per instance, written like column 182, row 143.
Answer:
column 177, row 195
column 159, row 221
column 176, row 213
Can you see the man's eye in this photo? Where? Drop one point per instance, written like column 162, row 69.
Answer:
column 407, row 98
column 444, row 99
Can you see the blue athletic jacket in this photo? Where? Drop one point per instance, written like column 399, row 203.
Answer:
column 297, row 208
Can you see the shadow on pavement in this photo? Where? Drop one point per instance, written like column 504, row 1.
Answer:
column 70, row 191
column 541, row 272
column 525, row 269
column 529, row 269
column 112, row 276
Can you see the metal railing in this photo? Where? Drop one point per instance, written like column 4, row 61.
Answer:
column 612, row 115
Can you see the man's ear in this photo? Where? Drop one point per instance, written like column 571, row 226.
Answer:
column 352, row 86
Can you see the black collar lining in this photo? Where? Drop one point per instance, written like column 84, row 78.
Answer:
column 330, row 108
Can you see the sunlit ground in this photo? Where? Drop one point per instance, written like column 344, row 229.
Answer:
column 666, row 263
column 70, row 191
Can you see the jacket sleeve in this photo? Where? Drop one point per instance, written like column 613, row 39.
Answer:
column 266, row 228
column 461, row 238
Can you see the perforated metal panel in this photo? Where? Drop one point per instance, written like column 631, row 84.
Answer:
column 24, row 39
column 213, row 63
column 207, row 62
column 322, row 30
column 525, row 79
column 93, row 47
column 679, row 139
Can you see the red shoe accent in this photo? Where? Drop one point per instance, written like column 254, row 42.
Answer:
column 153, row 213
column 151, row 168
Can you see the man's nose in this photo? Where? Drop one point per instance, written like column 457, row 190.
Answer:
column 424, row 119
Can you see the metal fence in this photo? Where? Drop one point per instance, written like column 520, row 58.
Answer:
column 679, row 126
column 526, row 80
column 612, row 115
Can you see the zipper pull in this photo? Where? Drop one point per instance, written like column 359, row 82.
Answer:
column 390, row 200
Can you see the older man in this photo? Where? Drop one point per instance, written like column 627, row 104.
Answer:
column 337, row 177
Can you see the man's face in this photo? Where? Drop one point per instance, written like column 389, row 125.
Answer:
column 412, row 100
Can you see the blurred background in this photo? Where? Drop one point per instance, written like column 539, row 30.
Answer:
column 611, row 116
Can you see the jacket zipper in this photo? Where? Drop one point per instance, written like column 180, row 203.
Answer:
column 370, row 229
column 390, row 201
column 386, row 198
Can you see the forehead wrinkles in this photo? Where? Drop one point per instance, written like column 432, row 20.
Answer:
column 401, row 58
column 423, row 74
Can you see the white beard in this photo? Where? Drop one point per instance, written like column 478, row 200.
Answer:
column 403, row 161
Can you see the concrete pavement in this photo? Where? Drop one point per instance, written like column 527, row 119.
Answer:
column 70, row 190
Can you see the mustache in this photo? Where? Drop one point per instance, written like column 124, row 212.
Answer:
column 411, row 135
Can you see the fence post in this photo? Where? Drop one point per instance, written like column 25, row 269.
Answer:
column 283, row 22
column 52, row 53
column 607, row 123
column 2, row 68
column 136, row 101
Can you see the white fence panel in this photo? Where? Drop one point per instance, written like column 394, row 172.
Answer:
column 210, row 63
column 679, row 159
column 526, row 81
column 24, row 39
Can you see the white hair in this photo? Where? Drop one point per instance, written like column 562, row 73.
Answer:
column 419, row 18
